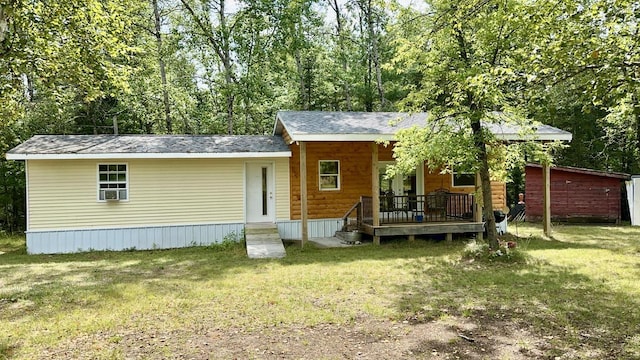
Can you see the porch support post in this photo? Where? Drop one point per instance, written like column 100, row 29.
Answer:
column 303, row 192
column 477, row 210
column 546, row 199
column 375, row 190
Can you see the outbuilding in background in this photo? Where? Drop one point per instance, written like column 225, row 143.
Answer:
column 577, row 194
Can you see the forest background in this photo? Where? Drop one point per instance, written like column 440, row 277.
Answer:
column 226, row 67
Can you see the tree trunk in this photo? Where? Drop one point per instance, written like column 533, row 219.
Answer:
column 163, row 73
column 487, row 200
column 227, row 63
column 301, row 83
column 221, row 45
column 373, row 51
column 345, row 65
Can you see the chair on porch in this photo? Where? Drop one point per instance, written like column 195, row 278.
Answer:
column 436, row 208
column 389, row 206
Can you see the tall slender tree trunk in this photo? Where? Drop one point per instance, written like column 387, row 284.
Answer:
column 302, row 84
column 345, row 63
column 373, row 50
column 220, row 42
column 163, row 72
column 227, row 63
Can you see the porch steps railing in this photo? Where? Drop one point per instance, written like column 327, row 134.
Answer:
column 350, row 226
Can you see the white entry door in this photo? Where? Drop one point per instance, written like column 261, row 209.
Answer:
column 260, row 202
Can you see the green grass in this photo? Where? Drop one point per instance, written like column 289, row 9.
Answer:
column 580, row 292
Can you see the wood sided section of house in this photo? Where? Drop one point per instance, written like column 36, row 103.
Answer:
column 318, row 173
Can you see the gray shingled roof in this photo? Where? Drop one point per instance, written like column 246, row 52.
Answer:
column 335, row 122
column 316, row 125
column 148, row 144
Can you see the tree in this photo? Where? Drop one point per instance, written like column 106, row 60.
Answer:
column 55, row 58
column 468, row 59
column 592, row 56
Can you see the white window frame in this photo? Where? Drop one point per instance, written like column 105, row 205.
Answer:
column 321, row 175
column 453, row 179
column 98, row 182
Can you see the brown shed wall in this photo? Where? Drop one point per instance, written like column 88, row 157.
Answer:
column 574, row 196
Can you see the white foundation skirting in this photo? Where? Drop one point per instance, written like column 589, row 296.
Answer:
column 134, row 238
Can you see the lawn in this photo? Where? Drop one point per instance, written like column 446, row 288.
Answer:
column 577, row 297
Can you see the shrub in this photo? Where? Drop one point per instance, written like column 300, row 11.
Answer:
column 507, row 251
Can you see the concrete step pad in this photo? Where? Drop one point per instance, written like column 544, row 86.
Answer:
column 263, row 241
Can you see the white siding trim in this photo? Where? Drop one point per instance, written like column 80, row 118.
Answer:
column 26, row 184
column 138, row 238
column 129, row 227
column 111, row 156
column 341, row 137
column 292, row 229
column 390, row 137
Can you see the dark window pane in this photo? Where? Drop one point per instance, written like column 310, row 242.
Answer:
column 113, row 167
column 464, row 179
column 329, row 167
column 102, row 167
column 122, row 167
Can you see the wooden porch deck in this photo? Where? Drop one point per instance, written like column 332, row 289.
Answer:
column 443, row 213
column 412, row 229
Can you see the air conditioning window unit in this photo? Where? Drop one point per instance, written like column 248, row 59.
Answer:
column 112, row 195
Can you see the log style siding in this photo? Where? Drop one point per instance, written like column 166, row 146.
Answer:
column 437, row 181
column 355, row 178
column 63, row 193
column 575, row 196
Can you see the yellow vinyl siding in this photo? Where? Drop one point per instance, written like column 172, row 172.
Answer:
column 282, row 189
column 63, row 193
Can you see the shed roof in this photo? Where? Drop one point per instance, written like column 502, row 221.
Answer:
column 148, row 146
column 585, row 171
column 372, row 126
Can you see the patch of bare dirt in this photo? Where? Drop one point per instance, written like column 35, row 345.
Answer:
column 453, row 338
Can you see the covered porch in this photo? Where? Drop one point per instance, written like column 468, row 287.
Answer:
column 338, row 157
column 437, row 213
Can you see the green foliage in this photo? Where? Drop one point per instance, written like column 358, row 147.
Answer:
column 507, row 252
column 232, row 240
column 79, row 67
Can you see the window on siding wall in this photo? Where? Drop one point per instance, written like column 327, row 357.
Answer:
column 464, row 179
column 329, row 174
column 113, row 180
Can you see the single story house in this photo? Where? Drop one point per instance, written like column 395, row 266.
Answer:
column 579, row 195
column 116, row 192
